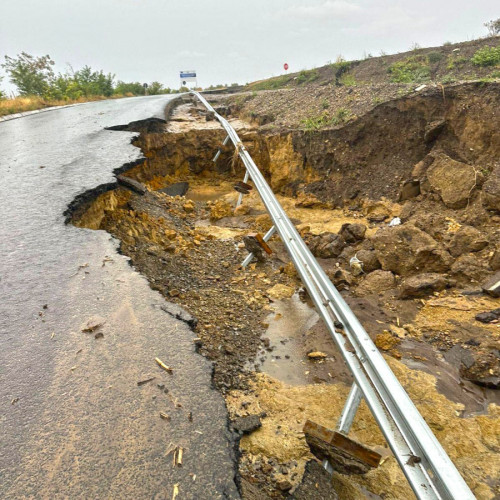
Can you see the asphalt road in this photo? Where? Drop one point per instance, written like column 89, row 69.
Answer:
column 73, row 421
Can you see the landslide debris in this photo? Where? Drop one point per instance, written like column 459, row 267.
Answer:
column 409, row 248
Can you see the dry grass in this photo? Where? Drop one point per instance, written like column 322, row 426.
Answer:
column 30, row 103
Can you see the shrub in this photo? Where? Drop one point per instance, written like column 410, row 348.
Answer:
column 348, row 80
column 315, row 122
column 448, row 78
column 271, row 84
column 340, row 116
column 306, row 76
column 434, row 57
column 487, row 56
column 456, row 62
column 414, row 69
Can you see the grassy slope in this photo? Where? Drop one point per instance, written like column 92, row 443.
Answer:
column 446, row 64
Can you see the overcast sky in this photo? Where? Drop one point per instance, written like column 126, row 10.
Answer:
column 228, row 41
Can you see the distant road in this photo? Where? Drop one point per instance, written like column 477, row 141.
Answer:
column 73, row 421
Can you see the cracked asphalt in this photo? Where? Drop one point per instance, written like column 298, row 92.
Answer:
column 74, row 423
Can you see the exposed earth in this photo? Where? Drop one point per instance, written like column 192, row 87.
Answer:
column 426, row 162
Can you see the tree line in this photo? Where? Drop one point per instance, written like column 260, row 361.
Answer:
column 35, row 76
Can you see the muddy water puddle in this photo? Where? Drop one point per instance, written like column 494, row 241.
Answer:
column 288, row 324
column 207, row 192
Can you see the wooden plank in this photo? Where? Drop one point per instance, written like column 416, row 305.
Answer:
column 345, row 454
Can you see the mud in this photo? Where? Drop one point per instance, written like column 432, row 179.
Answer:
column 257, row 326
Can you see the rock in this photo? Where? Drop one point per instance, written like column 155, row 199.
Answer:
column 466, row 240
column 405, row 249
column 488, row 316
column 242, row 210
column 482, row 368
column 369, row 260
column 93, row 324
column 376, row 282
column 491, row 191
column 177, row 189
column 422, row 285
column 279, row 291
column 492, row 285
column 327, row 245
column 308, row 200
column 341, row 278
column 248, row 424
column 421, row 167
column 410, row 189
column 189, row 206
column 220, row 209
column 495, row 259
column 352, row 233
column 264, row 222
column 433, row 129
column 284, row 485
column 386, row 341
column 469, row 268
column 347, row 254
column 453, row 180
column 316, row 355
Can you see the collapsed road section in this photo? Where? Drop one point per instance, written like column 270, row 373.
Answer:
column 275, row 363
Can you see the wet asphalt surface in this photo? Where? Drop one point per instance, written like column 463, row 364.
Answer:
column 73, row 421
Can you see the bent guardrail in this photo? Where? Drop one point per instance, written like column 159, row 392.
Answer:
column 427, row 467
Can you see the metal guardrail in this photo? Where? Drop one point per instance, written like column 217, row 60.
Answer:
column 424, row 462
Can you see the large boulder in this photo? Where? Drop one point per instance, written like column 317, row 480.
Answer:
column 327, row 245
column 466, row 240
column 453, row 180
column 422, row 285
column 469, row 268
column 406, row 249
column 369, row 260
column 491, row 191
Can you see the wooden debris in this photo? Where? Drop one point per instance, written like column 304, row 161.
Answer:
column 176, row 491
column 316, row 355
column 164, row 366
column 178, row 452
column 346, row 455
column 145, row 381
column 131, row 184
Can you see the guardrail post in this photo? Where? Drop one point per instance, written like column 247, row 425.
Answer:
column 219, row 151
column 240, row 197
column 266, row 238
column 351, row 407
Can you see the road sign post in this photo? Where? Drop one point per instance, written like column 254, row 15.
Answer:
column 188, row 76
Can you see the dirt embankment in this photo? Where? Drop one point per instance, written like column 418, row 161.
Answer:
column 429, row 159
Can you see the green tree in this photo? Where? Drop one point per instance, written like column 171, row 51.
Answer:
column 155, row 88
column 134, row 88
column 93, row 83
column 31, row 75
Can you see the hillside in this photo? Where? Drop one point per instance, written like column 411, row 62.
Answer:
column 334, row 94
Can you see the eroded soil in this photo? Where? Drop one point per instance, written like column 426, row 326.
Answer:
column 417, row 289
